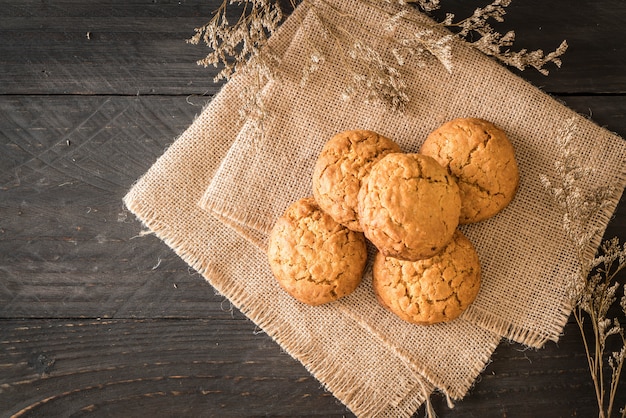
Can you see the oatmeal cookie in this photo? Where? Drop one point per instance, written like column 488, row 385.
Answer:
column 482, row 160
column 409, row 206
column 429, row 291
column 341, row 166
column 315, row 259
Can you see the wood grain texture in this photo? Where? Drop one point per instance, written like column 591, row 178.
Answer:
column 69, row 246
column 136, row 368
column 139, row 47
column 224, row 367
column 135, row 47
column 99, row 319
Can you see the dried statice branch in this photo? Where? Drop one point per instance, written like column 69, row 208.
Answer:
column 241, row 47
column 377, row 81
column 426, row 5
column 595, row 296
column 315, row 62
column 594, row 287
column 372, row 76
column 253, row 110
column 419, row 46
column 577, row 207
column 234, row 45
column 494, row 44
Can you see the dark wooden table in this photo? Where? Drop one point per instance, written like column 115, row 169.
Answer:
column 98, row 318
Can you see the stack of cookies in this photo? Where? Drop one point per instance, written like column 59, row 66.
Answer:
column 409, row 206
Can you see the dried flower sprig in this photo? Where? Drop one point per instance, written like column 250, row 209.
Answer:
column 242, row 48
column 594, row 287
column 253, row 110
column 578, row 208
column 370, row 76
column 417, row 47
column 378, row 81
column 233, row 45
column 494, row 44
column 596, row 296
column 245, row 43
column 426, row 5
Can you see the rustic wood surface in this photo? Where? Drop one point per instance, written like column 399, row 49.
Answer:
column 98, row 318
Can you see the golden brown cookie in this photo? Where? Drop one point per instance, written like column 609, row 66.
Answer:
column 481, row 158
column 341, row 166
column 409, row 206
column 315, row 259
column 429, row 291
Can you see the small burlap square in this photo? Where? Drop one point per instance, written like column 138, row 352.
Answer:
column 215, row 193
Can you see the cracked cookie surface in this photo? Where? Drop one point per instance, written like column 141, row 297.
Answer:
column 315, row 259
column 429, row 291
column 343, row 163
column 482, row 160
column 409, row 206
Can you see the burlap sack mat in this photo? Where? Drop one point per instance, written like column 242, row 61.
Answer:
column 343, row 344
column 526, row 259
column 463, row 349
column 361, row 370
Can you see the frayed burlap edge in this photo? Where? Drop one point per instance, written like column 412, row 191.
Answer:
column 330, row 373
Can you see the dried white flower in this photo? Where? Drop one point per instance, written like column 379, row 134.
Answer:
column 316, row 60
column 392, row 23
column 374, row 78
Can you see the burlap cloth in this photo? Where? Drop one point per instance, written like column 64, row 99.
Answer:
column 216, row 192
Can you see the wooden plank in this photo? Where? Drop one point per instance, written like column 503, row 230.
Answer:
column 225, row 368
column 151, row 368
column 139, row 47
column 550, row 382
column 103, row 48
column 68, row 246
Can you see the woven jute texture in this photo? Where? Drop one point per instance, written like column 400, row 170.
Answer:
column 216, row 192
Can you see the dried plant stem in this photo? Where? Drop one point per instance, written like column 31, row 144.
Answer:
column 615, row 383
column 593, row 287
column 595, row 360
column 595, row 306
column 369, row 75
